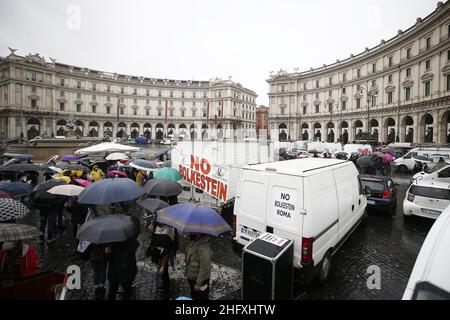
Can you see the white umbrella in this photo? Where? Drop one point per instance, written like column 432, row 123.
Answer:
column 69, row 190
column 116, row 156
column 56, row 169
column 106, row 147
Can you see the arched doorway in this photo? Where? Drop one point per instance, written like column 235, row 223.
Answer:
column 33, row 128
column 427, row 128
column 374, row 130
column 305, row 132
column 61, row 127
column 93, row 129
column 330, row 132
column 282, row 135
column 182, row 129
column 344, row 132
column 444, row 125
column 148, row 130
column 358, row 125
column 408, row 125
column 121, row 129
column 219, row 131
column 390, row 130
column 193, row 129
column 80, row 128
column 317, row 132
column 170, row 130
column 159, row 129
column 134, row 130
column 107, row 129
column 204, row 131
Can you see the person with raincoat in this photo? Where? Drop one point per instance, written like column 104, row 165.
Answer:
column 198, row 266
column 17, row 260
column 140, row 178
column 96, row 174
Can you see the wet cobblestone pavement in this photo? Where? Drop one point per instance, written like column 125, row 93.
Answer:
column 386, row 241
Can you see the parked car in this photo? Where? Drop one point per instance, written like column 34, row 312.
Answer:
column 315, row 202
column 383, row 193
column 408, row 161
column 430, row 279
column 426, row 198
column 166, row 142
column 439, row 172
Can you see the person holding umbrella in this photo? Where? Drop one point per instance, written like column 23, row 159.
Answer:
column 198, row 266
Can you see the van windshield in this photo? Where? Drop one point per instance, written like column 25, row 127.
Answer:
column 427, row 192
column 437, row 167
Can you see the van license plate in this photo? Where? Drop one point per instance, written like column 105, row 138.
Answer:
column 371, row 202
column 431, row 212
column 250, row 232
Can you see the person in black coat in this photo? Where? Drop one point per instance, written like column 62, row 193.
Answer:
column 78, row 213
column 122, row 267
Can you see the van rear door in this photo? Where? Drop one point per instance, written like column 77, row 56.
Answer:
column 250, row 205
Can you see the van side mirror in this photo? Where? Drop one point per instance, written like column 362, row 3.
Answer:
column 367, row 191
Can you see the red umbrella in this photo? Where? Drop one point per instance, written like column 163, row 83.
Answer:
column 116, row 173
column 82, row 182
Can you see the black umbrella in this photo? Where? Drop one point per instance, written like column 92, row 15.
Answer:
column 109, row 191
column 163, row 188
column 365, row 162
column 20, row 167
column 40, row 196
column 77, row 167
column 16, row 188
column 11, row 210
column 63, row 165
column 152, row 205
column 108, row 229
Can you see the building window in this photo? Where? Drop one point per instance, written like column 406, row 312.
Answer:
column 33, row 102
column 78, row 85
column 358, row 103
column 61, row 93
column 408, row 72
column 330, row 107
column 448, row 55
column 61, row 106
column 358, row 73
column 428, row 64
column 33, row 76
column 344, row 90
column 147, row 93
column 94, row 97
column 448, row 82
column 317, row 84
column 193, row 113
column 390, row 78
column 374, row 67
column 159, row 93
column 344, row 77
column 304, row 97
column 108, row 110
column 78, row 95
column 182, row 113
column 122, row 111
column 374, row 83
column 147, row 112
column 134, row 112
column 427, row 88
column 33, row 89
column 94, row 109
column 317, row 95
column 330, row 93
column 304, row 86
column 122, row 90
column 358, row 87
column 108, row 89
column 317, row 109
column 408, row 53
column 330, row 81
column 193, row 95
column 204, row 114
column 389, row 98
column 182, row 94
column 134, row 92
column 171, row 94
column 134, row 100
column 94, row 87
column 304, row 110
column 428, row 43
column 78, row 107
column 407, row 94
column 61, row 82
column 204, row 95
column 344, row 105
column 159, row 113
column 391, row 61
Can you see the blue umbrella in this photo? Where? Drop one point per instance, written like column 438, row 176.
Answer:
column 16, row 188
column 110, row 191
column 70, row 158
column 144, row 165
column 189, row 218
column 141, row 140
column 160, row 153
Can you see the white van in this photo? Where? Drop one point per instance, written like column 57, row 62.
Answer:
column 430, row 279
column 408, row 161
column 360, row 148
column 315, row 202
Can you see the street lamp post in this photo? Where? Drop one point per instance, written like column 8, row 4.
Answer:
column 371, row 92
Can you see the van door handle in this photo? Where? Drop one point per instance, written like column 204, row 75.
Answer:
column 359, row 201
column 353, row 207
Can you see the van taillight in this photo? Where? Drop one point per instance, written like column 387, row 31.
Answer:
column 233, row 225
column 307, row 248
column 411, row 197
column 386, row 194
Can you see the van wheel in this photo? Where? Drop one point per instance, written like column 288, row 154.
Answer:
column 325, row 268
column 403, row 168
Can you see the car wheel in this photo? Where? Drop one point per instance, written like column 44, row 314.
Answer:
column 407, row 217
column 325, row 268
column 403, row 168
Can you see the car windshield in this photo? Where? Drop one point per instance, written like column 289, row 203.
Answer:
column 427, row 192
column 437, row 167
column 373, row 185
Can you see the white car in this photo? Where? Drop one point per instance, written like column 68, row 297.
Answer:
column 439, row 172
column 166, row 142
column 426, row 198
column 430, row 279
column 408, row 161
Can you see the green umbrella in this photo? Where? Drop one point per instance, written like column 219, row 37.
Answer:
column 167, row 174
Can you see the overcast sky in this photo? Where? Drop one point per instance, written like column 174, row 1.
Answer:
column 202, row 39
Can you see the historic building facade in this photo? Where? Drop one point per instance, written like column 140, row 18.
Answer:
column 397, row 91
column 37, row 97
column 262, row 122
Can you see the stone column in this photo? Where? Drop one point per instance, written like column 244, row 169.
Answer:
column 12, row 127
